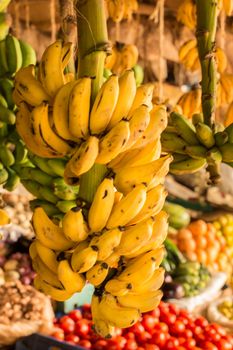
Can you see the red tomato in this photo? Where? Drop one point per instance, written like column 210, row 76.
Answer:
column 155, row 313
column 72, row 338
column 121, row 341
column 143, row 337
column 117, row 331
column 82, row 328
column 197, row 330
column 189, row 343
column 137, row 328
column 168, row 318
column 113, row 345
column 148, row 322
column 206, row 345
column 220, row 330
column 159, row 338
column 183, row 313
column 223, row 344
column 85, row 343
column 181, row 348
column 86, row 311
column 172, row 343
column 140, row 348
column 228, row 338
column 67, row 324
column 201, row 321
column 161, row 327
column 151, row 347
column 177, row 328
column 59, row 334
column 182, row 340
column 187, row 334
column 129, row 336
column 183, row 320
column 173, row 309
column 131, row 345
column 75, row 315
column 100, row 344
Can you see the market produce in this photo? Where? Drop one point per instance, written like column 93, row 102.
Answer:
column 229, row 115
column 122, row 57
column 224, row 89
column 164, row 328
column 190, row 102
column 200, row 242
column 120, row 9
column 178, row 216
column 4, row 218
column 226, row 308
column 224, row 227
column 186, row 14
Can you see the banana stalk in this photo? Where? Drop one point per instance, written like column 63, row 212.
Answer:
column 93, row 47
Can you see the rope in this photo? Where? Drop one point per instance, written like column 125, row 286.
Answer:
column 53, row 19
column 222, row 40
column 68, row 19
column 27, row 16
column 161, row 48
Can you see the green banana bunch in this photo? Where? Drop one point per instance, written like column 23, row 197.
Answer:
column 194, row 145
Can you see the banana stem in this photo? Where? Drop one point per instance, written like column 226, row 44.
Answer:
column 92, row 49
column 206, row 34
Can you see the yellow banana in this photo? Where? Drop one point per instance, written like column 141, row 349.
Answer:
column 98, row 273
column 128, row 207
column 70, row 177
column 127, row 92
column 153, row 284
column 186, row 47
column 101, row 205
column 143, row 96
column 51, row 70
column 61, row 111
column 101, row 326
column 150, row 174
column 116, row 9
column 28, row 88
column 83, row 260
column 155, row 199
column 117, row 315
column 111, row 59
column 48, row 233
column 79, row 107
column 72, row 282
column 66, row 54
column 228, row 7
column 47, row 255
column 129, row 56
column 46, row 274
column 55, row 293
column 138, row 123
column 104, row 105
column 113, row 142
column 106, row 243
column 32, row 250
column 144, row 301
column 117, row 288
column 135, row 236
column 85, row 156
column 113, row 260
column 74, row 225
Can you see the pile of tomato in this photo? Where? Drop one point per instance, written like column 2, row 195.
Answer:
column 165, row 328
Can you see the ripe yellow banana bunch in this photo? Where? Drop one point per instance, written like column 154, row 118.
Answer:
column 123, row 57
column 227, row 6
column 190, row 102
column 229, row 115
column 224, row 89
column 186, row 14
column 121, row 9
column 188, row 55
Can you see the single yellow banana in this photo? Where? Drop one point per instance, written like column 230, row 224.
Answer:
column 72, row 282
column 32, row 250
column 66, row 54
column 51, row 70
column 85, row 156
column 83, row 260
column 28, row 88
column 116, row 9
column 48, row 233
column 47, row 255
column 46, row 274
column 127, row 92
column 153, row 284
column 104, row 105
column 155, row 199
column 143, row 96
column 129, row 56
column 117, row 315
column 74, row 226
column 101, row 326
column 144, row 301
column 98, row 273
column 117, row 288
column 101, row 205
column 113, row 260
column 106, row 243
column 79, row 107
column 113, row 142
column 128, row 207
column 55, row 293
column 186, row 47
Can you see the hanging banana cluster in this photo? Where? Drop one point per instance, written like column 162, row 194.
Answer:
column 188, row 55
column 123, row 228
column 123, row 57
column 121, row 9
column 190, row 102
column 224, row 89
column 229, row 115
column 195, row 145
column 186, row 13
column 14, row 54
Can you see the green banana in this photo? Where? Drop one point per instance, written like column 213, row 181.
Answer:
column 3, row 175
column 48, row 195
column 6, row 87
column 63, row 191
column 57, row 166
column 139, row 74
column 171, row 142
column 13, row 53
column 197, row 118
column 214, row 156
column 188, row 166
column 65, row 206
column 42, row 164
column 20, row 152
column 4, row 25
column 227, row 152
column 179, row 157
column 33, row 187
column 7, row 116
column 28, row 54
column 3, row 59
column 196, row 152
column 3, row 101
column 184, row 128
column 229, row 131
column 13, row 180
column 6, row 156
column 221, row 138
column 205, row 135
column 49, row 208
column 36, row 175
column 4, row 4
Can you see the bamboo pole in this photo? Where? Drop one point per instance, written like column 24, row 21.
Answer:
column 206, row 36
column 92, row 48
